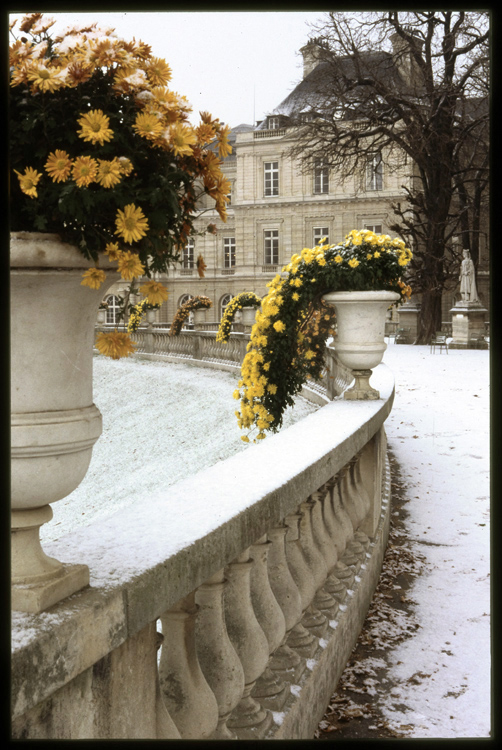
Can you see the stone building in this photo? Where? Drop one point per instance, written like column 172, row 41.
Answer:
column 276, row 209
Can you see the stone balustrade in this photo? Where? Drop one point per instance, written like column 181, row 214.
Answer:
column 227, row 606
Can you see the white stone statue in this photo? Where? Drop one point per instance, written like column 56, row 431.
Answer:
column 468, row 289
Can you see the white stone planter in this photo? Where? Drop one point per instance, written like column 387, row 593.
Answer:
column 359, row 343
column 249, row 316
column 54, row 422
column 101, row 317
column 150, row 317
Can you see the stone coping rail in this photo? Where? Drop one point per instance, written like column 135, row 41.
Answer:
column 259, row 572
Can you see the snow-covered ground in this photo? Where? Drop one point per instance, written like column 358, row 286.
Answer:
column 439, row 432
column 163, row 422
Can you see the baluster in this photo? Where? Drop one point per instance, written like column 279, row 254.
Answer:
column 301, row 636
column 218, row 659
column 345, row 531
column 288, row 663
column 315, row 560
column 248, row 720
column 270, row 689
column 365, row 501
column 324, row 541
column 188, row 697
column 334, row 585
column 166, row 729
column 351, row 503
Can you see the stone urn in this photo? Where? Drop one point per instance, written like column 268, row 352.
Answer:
column 150, row 317
column 249, row 316
column 359, row 343
column 101, row 317
column 54, row 422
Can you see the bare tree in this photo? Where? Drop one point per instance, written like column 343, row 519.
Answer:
column 410, row 89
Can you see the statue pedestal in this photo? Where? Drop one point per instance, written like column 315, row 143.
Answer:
column 468, row 326
column 408, row 319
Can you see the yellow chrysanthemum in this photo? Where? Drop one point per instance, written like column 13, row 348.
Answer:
column 155, row 292
column 115, row 344
column 113, row 251
column 376, row 254
column 125, row 164
column 47, row 79
column 58, row 166
column 93, row 278
column 94, row 127
column 84, row 170
column 181, row 139
column 353, row 263
column 279, row 326
column 158, row 71
column 224, row 148
column 148, row 125
column 205, row 133
column 109, row 173
column 131, row 223
column 130, row 266
column 271, row 388
column 28, row 181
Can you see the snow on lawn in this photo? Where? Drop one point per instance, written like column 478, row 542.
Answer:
column 162, row 422
column 439, row 433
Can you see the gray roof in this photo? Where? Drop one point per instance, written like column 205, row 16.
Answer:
column 307, row 92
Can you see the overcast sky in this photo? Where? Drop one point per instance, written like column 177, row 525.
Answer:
column 236, row 65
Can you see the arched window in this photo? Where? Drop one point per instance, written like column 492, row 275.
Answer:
column 182, row 301
column 112, row 313
column 223, row 303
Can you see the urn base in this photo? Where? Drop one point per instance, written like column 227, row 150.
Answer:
column 37, row 597
column 361, row 390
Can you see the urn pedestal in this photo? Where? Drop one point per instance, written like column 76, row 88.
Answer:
column 54, row 422
column 468, row 326
column 359, row 343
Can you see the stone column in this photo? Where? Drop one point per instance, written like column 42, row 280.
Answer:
column 219, row 661
column 287, row 662
column 248, row 720
column 468, row 326
column 270, row 689
column 408, row 318
column 188, row 697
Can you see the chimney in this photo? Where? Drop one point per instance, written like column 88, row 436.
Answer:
column 310, row 54
column 405, row 62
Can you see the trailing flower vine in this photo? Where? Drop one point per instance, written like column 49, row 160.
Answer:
column 289, row 337
column 198, row 302
column 137, row 313
column 244, row 299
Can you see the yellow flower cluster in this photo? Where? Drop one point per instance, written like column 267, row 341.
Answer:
column 137, row 314
column 244, row 299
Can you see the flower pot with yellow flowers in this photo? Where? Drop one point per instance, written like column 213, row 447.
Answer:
column 105, row 175
column 350, row 284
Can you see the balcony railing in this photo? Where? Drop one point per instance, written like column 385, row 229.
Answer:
column 227, row 605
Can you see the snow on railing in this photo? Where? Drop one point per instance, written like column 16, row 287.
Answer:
column 259, row 572
column 202, row 347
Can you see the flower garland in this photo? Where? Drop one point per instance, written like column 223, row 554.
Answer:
column 289, row 337
column 244, row 299
column 198, row 302
column 137, row 313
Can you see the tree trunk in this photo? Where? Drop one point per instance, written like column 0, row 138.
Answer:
column 430, row 316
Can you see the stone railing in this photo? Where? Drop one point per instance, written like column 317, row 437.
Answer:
column 200, row 348
column 226, row 606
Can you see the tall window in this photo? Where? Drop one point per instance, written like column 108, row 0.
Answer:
column 271, row 175
column 319, row 233
column 377, row 228
column 271, row 247
column 223, row 303
column 188, row 254
column 113, row 310
column 229, row 252
column 321, row 177
column 374, row 172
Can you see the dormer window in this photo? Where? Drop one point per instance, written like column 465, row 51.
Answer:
column 274, row 123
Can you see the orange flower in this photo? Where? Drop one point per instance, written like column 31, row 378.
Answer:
column 115, row 344
column 93, row 278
